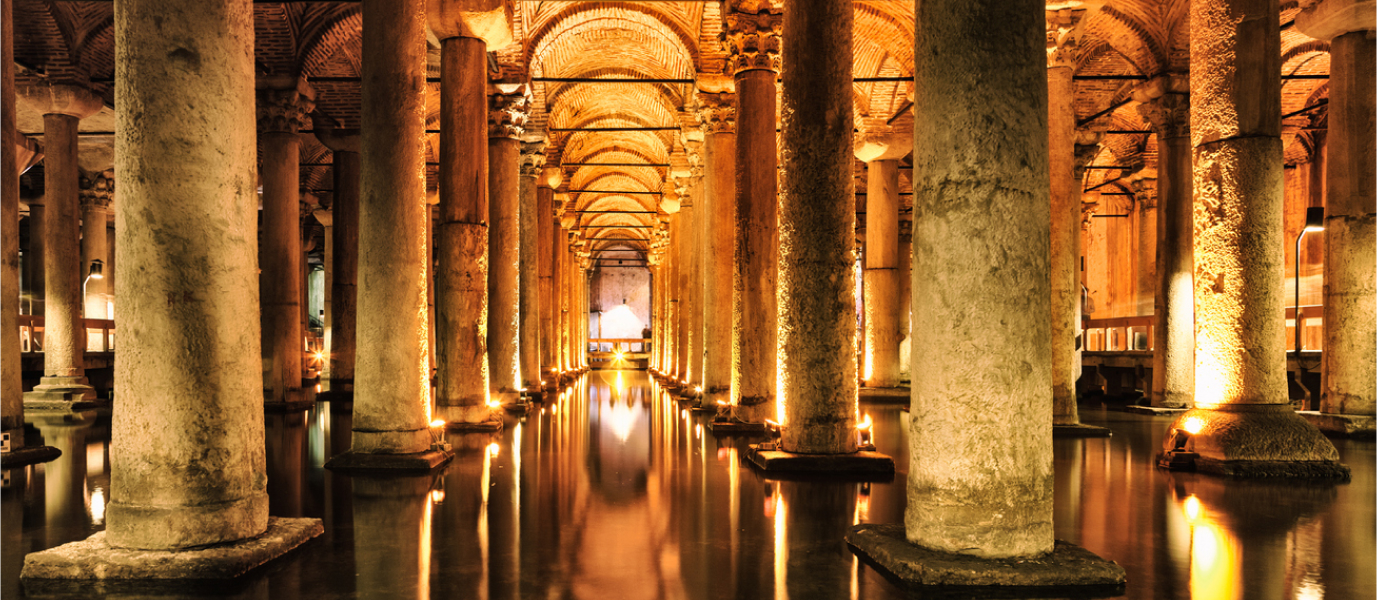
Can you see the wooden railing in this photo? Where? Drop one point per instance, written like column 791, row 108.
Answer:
column 622, row 344
column 100, row 334
column 1136, row 333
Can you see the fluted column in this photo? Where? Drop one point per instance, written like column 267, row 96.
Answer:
column 281, row 113
column 752, row 43
column 717, row 114
column 508, row 105
column 532, row 163
column 95, row 244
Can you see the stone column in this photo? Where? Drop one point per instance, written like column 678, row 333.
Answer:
column 508, row 105
column 281, row 112
column 95, row 246
column 545, row 265
column 817, row 232
column 684, row 282
column 64, row 335
column 35, row 288
column 188, row 199
column 752, row 43
column 675, row 335
column 1243, row 421
column 1145, row 262
column 462, row 234
column 1166, row 106
column 342, row 245
column 717, row 114
column 697, row 243
column 905, row 296
column 1349, row 371
column 1064, row 229
column 532, row 163
column 981, row 295
column 392, row 404
column 881, row 153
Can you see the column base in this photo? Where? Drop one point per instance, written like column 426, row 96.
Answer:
column 1079, row 430
column 863, row 464
column 1143, row 409
column 20, row 455
column 469, row 418
column 369, row 462
column 93, row 558
column 61, row 393
column 1268, row 440
column 885, row 395
column 1362, row 427
column 1069, row 570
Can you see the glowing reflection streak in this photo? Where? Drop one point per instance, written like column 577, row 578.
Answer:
column 423, row 578
column 516, row 500
column 1214, row 555
column 781, row 545
column 483, row 524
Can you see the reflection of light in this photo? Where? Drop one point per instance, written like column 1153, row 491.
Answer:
column 623, row 419
column 1192, row 508
column 423, row 574
column 97, row 506
column 1193, row 425
column 781, row 546
column 1214, row 555
column 494, row 449
column 698, row 431
column 620, row 386
column 437, row 423
column 437, row 496
column 1310, row 590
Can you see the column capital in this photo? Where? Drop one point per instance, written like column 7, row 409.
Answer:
column 1145, row 194
column 487, row 20
column 1084, row 155
column 284, row 110
column 532, row 159
column 337, row 140
column 1088, row 210
column 51, row 98
column 1328, row 19
column 752, row 39
column 717, row 112
column 1169, row 115
column 97, row 190
column 882, row 145
column 1063, row 37
column 508, row 106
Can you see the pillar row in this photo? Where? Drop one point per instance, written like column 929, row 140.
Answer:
column 717, row 115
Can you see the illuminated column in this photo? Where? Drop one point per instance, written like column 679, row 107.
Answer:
column 717, row 114
column 557, row 307
column 532, row 163
column 881, row 153
column 545, row 239
column 673, row 335
column 95, row 244
column 697, row 244
column 752, row 43
column 1065, row 227
column 1349, row 371
column 467, row 29
column 817, row 230
column 684, row 280
column 1145, row 273
column 905, row 296
column 1243, row 423
column 342, row 244
column 507, row 108
column 64, row 335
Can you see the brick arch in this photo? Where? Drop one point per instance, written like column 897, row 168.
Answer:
column 635, row 17
column 342, row 30
column 1128, row 37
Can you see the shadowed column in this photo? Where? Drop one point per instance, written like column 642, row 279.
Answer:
column 532, row 163
column 507, row 108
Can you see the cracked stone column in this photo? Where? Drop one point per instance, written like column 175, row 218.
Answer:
column 281, row 113
column 817, row 225
column 532, row 163
column 343, row 247
column 752, row 42
column 696, row 259
column 882, row 153
column 63, row 106
column 467, row 29
column 981, row 294
column 1166, row 106
column 508, row 105
column 1243, row 418
column 1349, row 369
column 95, row 244
column 717, row 114
column 546, row 227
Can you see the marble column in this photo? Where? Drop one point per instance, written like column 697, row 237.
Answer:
column 981, row 294
column 281, row 113
column 95, row 244
column 882, row 331
column 1243, row 423
column 1064, row 229
column 717, row 114
column 817, row 232
column 697, row 244
column 545, row 240
column 188, row 197
column 64, row 334
column 752, row 43
column 35, row 281
column 684, row 282
column 342, row 244
column 508, row 105
column 392, row 404
column 1349, row 370
column 532, row 163
column 1145, row 260
column 674, row 334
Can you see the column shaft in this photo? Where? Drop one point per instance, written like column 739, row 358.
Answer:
column 188, row 368
column 527, row 275
column 754, row 324
column 981, row 293
column 35, row 280
column 11, row 376
column 279, row 261
column 1173, row 356
column 719, row 228
column 1065, row 226
column 684, row 257
column 817, row 233
column 697, row 275
column 1145, row 273
column 64, row 336
column 504, row 264
column 545, row 238
column 95, row 245
column 882, row 333
column 344, row 285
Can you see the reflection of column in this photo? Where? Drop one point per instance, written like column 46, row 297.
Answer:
column 506, row 118
column 717, row 114
column 1173, row 354
column 64, row 479
column 281, row 114
column 343, row 245
column 981, row 245
column 285, row 435
column 532, row 163
column 815, row 515
column 1349, row 371
column 817, row 231
column 752, row 42
column 95, row 246
column 392, row 536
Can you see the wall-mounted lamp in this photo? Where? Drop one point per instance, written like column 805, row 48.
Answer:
column 1314, row 221
column 97, row 272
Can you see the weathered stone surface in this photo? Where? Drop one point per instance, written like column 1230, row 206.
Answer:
column 754, row 324
column 1065, row 566
column 1257, row 441
column 1079, row 430
column 1354, row 426
column 366, row 462
column 504, row 264
column 95, row 558
column 28, row 455
column 886, row 395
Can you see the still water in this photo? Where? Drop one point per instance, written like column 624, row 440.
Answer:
column 611, row 491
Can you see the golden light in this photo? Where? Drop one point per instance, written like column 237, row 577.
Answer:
column 320, row 356
column 437, row 423
column 698, row 389
column 494, row 449
column 437, row 496
column 865, row 424
column 493, row 402
column 1193, row 425
column 1192, row 508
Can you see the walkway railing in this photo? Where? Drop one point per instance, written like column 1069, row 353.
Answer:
column 619, row 344
column 1127, row 334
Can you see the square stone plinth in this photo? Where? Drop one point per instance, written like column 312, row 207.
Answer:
column 93, row 558
column 862, row 463
column 1363, row 427
column 366, row 462
column 1068, row 566
column 885, row 395
column 1079, row 430
column 488, row 426
column 736, row 428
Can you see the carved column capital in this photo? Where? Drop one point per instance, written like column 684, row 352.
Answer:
column 717, row 112
column 508, row 107
column 532, row 159
column 283, row 111
column 752, row 40
column 1169, row 115
column 1063, row 37
column 1088, row 210
column 1084, row 155
column 97, row 191
column 1145, row 194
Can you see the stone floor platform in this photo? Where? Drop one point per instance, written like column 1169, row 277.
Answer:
column 1068, row 571
column 367, row 462
column 736, row 428
column 28, row 455
column 862, row 464
column 877, row 395
column 1139, row 409
column 93, row 558
column 1079, row 430
column 1265, row 440
column 488, row 426
column 1362, row 427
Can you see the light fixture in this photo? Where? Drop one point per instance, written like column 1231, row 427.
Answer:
column 97, row 272
column 865, row 439
column 1314, row 221
column 1182, row 455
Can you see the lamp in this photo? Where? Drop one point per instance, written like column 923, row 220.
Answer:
column 97, row 272
column 1314, row 221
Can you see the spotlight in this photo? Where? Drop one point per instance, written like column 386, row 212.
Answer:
column 865, row 434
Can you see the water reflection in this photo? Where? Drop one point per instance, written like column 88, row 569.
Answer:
column 611, row 490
